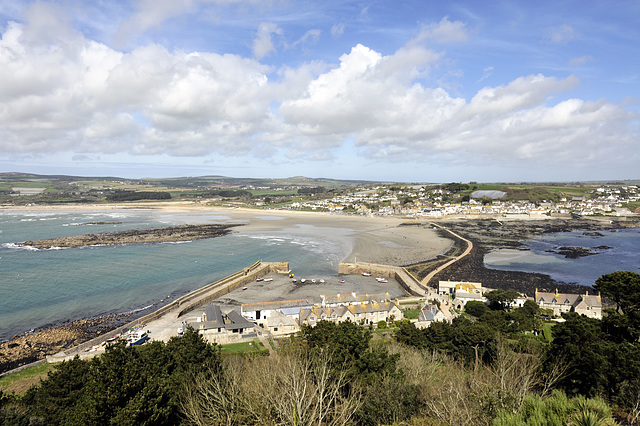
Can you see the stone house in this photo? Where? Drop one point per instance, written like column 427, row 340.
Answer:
column 262, row 311
column 584, row 304
column 430, row 314
column 366, row 313
column 216, row 327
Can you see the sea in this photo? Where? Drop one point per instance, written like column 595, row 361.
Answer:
column 40, row 288
column 617, row 250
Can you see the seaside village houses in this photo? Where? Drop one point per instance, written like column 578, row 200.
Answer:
column 458, row 293
column 286, row 316
column 585, row 304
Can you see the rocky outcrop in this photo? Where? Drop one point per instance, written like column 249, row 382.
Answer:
column 577, row 252
column 36, row 345
column 155, row 235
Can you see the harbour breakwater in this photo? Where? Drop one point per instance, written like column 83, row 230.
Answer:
column 136, row 236
column 63, row 343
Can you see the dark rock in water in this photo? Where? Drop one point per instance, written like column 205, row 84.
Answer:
column 603, row 247
column 155, row 235
column 593, row 234
column 101, row 223
column 573, row 252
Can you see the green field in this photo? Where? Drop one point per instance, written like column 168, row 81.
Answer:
column 411, row 313
column 22, row 380
column 254, row 346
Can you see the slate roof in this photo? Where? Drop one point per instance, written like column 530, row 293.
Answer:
column 352, row 298
column 568, row 299
column 214, row 318
column 278, row 304
column 235, row 321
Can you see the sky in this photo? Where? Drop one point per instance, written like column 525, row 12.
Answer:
column 402, row 91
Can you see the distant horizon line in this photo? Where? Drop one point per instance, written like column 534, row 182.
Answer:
column 57, row 175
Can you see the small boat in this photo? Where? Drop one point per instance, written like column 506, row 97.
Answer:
column 137, row 338
column 266, row 280
column 258, row 279
column 341, row 281
column 366, row 274
column 321, row 281
column 244, row 288
column 313, row 281
column 382, row 280
column 294, row 280
column 303, row 280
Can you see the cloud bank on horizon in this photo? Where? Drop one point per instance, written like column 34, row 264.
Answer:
column 385, row 90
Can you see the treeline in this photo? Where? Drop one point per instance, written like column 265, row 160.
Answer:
column 224, row 193
column 314, row 190
column 491, row 367
column 138, row 195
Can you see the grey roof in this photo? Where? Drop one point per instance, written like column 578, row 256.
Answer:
column 568, row 299
column 213, row 317
column 350, row 298
column 278, row 304
column 493, row 195
column 428, row 315
column 237, row 321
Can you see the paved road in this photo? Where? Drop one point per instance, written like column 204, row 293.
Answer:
column 425, row 280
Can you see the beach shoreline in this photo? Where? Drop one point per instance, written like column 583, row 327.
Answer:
column 377, row 240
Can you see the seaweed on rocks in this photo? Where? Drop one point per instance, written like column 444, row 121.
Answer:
column 490, row 234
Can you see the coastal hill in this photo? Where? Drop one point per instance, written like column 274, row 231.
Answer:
column 305, row 193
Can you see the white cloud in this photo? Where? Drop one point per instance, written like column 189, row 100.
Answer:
column 444, row 31
column 151, row 13
column 311, row 35
column 580, row 61
column 337, row 29
column 74, row 94
column 562, row 34
column 263, row 44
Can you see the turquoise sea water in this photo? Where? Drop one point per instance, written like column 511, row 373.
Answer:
column 41, row 287
column 623, row 254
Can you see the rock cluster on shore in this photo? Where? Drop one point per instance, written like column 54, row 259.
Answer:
column 155, row 235
column 490, row 234
column 31, row 347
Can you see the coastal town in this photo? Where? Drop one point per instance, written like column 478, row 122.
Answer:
column 420, row 201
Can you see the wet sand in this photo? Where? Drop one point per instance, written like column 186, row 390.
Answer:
column 381, row 240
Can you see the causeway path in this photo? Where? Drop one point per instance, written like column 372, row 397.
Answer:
column 425, row 280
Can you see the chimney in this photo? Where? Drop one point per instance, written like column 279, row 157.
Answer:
column 322, row 297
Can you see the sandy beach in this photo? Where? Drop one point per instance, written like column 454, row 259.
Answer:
column 370, row 239
column 379, row 240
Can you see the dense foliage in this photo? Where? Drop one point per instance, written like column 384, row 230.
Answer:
column 312, row 190
column 138, row 195
column 126, row 385
column 492, row 366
